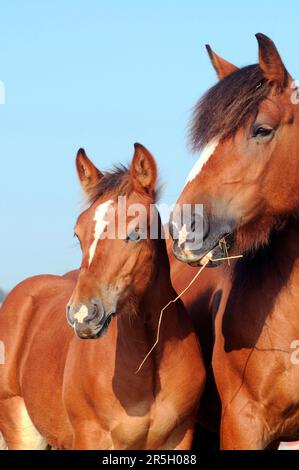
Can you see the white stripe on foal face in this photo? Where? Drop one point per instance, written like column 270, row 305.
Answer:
column 81, row 314
column 101, row 224
column 203, row 159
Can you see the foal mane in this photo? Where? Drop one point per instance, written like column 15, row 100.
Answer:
column 118, row 179
column 228, row 105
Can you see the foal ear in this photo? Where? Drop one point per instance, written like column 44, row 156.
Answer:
column 143, row 169
column 222, row 67
column 270, row 62
column 88, row 173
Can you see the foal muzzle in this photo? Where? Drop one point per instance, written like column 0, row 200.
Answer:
column 89, row 320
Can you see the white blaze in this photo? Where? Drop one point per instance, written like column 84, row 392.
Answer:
column 203, row 159
column 81, row 314
column 101, row 224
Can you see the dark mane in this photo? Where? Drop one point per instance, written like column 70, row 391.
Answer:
column 228, row 105
column 116, row 180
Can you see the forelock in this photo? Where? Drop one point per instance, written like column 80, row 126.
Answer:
column 228, row 105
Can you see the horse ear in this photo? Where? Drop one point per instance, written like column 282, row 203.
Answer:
column 270, row 62
column 222, row 67
column 88, row 173
column 143, row 169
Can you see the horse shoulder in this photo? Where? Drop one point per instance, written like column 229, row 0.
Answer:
column 20, row 311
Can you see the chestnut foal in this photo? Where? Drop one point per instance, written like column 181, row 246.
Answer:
column 74, row 393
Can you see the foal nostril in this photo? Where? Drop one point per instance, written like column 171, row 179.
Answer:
column 69, row 317
column 96, row 310
column 92, row 312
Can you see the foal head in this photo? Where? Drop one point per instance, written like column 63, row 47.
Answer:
column 247, row 177
column 118, row 258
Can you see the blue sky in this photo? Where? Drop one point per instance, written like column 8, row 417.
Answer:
column 102, row 75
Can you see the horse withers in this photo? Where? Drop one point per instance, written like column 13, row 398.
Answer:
column 247, row 180
column 73, row 383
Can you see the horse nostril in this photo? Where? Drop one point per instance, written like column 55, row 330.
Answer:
column 170, row 225
column 205, row 228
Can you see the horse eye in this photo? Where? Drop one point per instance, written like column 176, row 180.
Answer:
column 262, row 131
column 134, row 236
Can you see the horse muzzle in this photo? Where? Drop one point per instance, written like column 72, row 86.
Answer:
column 89, row 320
column 216, row 243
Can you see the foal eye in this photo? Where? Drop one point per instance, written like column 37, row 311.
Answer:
column 262, row 131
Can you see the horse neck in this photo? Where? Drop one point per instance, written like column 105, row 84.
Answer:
column 272, row 273
column 160, row 291
column 143, row 325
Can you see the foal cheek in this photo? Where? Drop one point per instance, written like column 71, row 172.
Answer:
column 144, row 274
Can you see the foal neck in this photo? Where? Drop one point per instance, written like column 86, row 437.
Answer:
column 160, row 292
column 137, row 334
column 144, row 324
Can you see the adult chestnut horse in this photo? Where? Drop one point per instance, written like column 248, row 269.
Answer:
column 247, row 179
column 200, row 297
column 82, row 391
